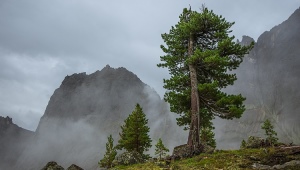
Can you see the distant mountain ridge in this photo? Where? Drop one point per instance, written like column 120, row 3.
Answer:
column 11, row 133
column 85, row 109
column 269, row 79
column 77, row 89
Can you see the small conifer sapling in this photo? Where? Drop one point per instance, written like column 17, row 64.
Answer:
column 134, row 135
column 160, row 149
column 269, row 132
column 110, row 154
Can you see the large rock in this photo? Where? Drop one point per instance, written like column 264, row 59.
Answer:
column 13, row 140
column 129, row 158
column 52, row 166
column 185, row 151
column 255, row 142
column 74, row 167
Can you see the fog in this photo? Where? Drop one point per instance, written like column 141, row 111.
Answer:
column 71, row 142
column 86, row 109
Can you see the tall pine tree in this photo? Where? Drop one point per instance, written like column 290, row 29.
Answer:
column 200, row 55
column 134, row 135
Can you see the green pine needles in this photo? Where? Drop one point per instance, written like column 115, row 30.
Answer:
column 110, row 154
column 207, row 135
column 134, row 135
column 160, row 149
column 269, row 132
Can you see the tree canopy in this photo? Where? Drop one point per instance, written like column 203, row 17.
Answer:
column 200, row 56
column 134, row 135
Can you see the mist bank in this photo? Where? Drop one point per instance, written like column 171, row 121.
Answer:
column 85, row 109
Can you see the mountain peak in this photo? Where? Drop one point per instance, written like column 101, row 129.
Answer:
column 6, row 119
column 5, row 122
column 246, row 40
column 108, row 73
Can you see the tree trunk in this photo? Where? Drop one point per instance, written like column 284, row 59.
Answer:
column 193, row 138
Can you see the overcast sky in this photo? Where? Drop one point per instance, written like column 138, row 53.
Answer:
column 42, row 41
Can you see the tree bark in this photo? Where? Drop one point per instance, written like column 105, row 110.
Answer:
column 193, row 138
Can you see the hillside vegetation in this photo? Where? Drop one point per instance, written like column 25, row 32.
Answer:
column 264, row 158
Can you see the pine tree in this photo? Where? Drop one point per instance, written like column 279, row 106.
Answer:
column 269, row 132
column 134, row 135
column 200, row 56
column 243, row 144
column 207, row 136
column 160, row 149
column 110, row 154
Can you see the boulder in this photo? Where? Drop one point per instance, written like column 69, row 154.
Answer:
column 184, row 151
column 289, row 150
column 129, row 158
column 74, row 167
column 207, row 149
column 52, row 166
column 255, row 142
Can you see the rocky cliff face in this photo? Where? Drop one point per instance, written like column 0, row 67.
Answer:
column 13, row 140
column 269, row 79
column 85, row 109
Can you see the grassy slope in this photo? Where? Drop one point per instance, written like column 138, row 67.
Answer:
column 225, row 160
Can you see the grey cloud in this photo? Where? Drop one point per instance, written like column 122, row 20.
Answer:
column 43, row 41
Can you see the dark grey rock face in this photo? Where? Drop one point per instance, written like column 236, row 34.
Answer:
column 13, row 140
column 269, row 79
column 109, row 93
column 74, row 167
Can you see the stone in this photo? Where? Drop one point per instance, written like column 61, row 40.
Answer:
column 129, row 158
column 260, row 166
column 74, row 167
column 208, row 149
column 184, row 151
column 255, row 142
column 52, row 166
column 291, row 150
column 293, row 163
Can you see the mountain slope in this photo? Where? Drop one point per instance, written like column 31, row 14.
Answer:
column 85, row 109
column 269, row 79
column 13, row 141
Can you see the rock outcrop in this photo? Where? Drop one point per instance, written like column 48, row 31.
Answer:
column 52, row 166
column 13, row 140
column 74, row 167
column 129, row 158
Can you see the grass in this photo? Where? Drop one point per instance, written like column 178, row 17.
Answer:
column 222, row 160
column 144, row 166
